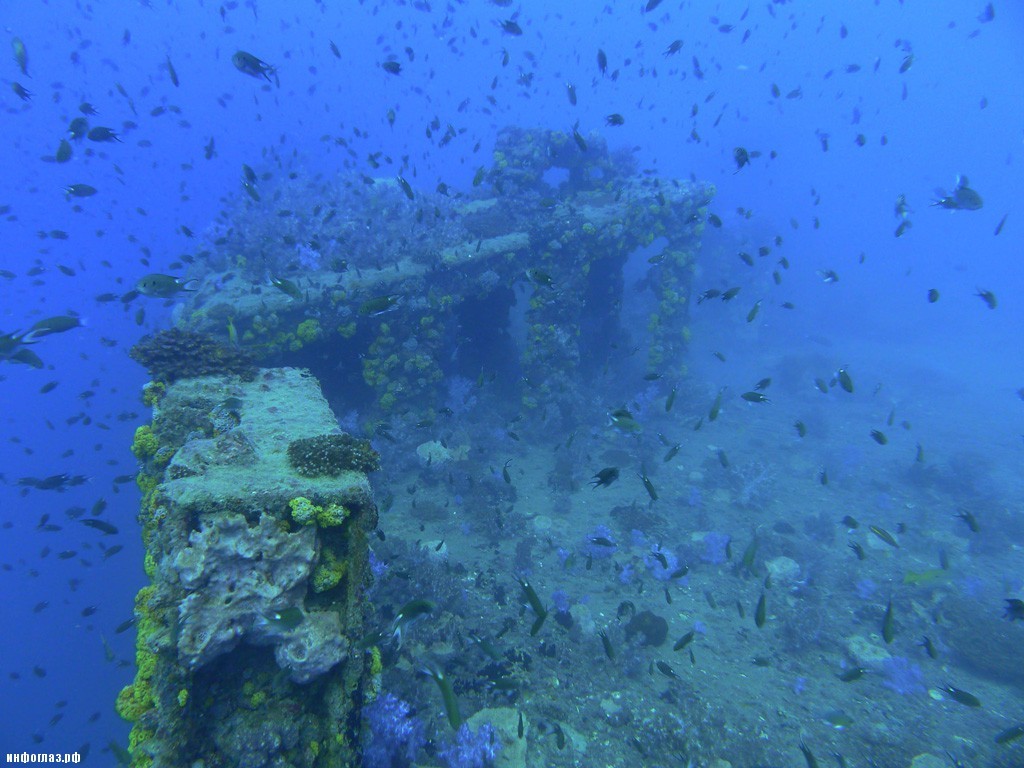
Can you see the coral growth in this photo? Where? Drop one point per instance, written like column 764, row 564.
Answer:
column 176, row 354
column 331, row 455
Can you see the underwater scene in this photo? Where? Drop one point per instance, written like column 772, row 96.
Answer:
column 506, row 384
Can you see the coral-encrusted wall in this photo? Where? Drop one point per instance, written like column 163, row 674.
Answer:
column 248, row 635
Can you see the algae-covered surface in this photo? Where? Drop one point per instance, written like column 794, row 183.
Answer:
column 280, row 406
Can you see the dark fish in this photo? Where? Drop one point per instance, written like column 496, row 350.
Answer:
column 761, row 611
column 80, row 190
column 879, row 436
column 248, row 64
column 1014, row 609
column 801, row 428
column 811, row 761
column 988, row 297
column 170, row 71
column 968, row 517
column 602, row 61
column 605, row 477
column 999, row 226
column 1015, row 732
column 962, row 198
column 929, row 647
column 102, row 134
column 614, row 119
column 742, row 158
column 843, row 377
column 163, row 286
column 849, row 675
column 100, row 525
column 716, row 406
column 510, row 27
column 406, row 187
column 648, row 485
column 888, row 624
column 755, row 397
column 961, row 697
column 607, row 644
column 684, row 641
column 667, row 671
column 933, row 295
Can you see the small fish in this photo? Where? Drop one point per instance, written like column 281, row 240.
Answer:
column 671, row 453
column 844, row 379
column 380, row 304
column 716, row 406
column 505, row 473
column 1014, row 609
column 102, row 134
column 888, row 624
column 801, row 428
column 742, row 158
column 510, row 27
column 961, row 697
column 988, row 297
column 248, row 64
column 667, row 671
column 100, row 525
column 684, row 641
column 578, row 138
column 755, row 397
column 671, row 399
column 753, row 311
column 761, row 611
column 968, row 517
column 879, row 436
column 609, row 651
column 614, row 119
column 999, row 226
column 20, row 55
column 406, row 187
column 929, row 647
column 885, row 536
column 80, row 190
column 648, row 485
column 171, row 71
column 812, row 762
column 1014, row 732
column 163, row 286
column 852, row 674
column 605, row 477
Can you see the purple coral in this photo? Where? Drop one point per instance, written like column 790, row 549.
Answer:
column 472, row 750
column 395, row 733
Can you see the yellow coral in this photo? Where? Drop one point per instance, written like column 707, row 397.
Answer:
column 331, row 515
column 304, row 511
column 308, row 330
column 376, row 663
column 183, row 697
column 149, row 564
column 152, row 392
column 328, row 573
column 145, row 443
column 134, row 701
column 258, row 698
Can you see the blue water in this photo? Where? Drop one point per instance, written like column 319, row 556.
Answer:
column 952, row 367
